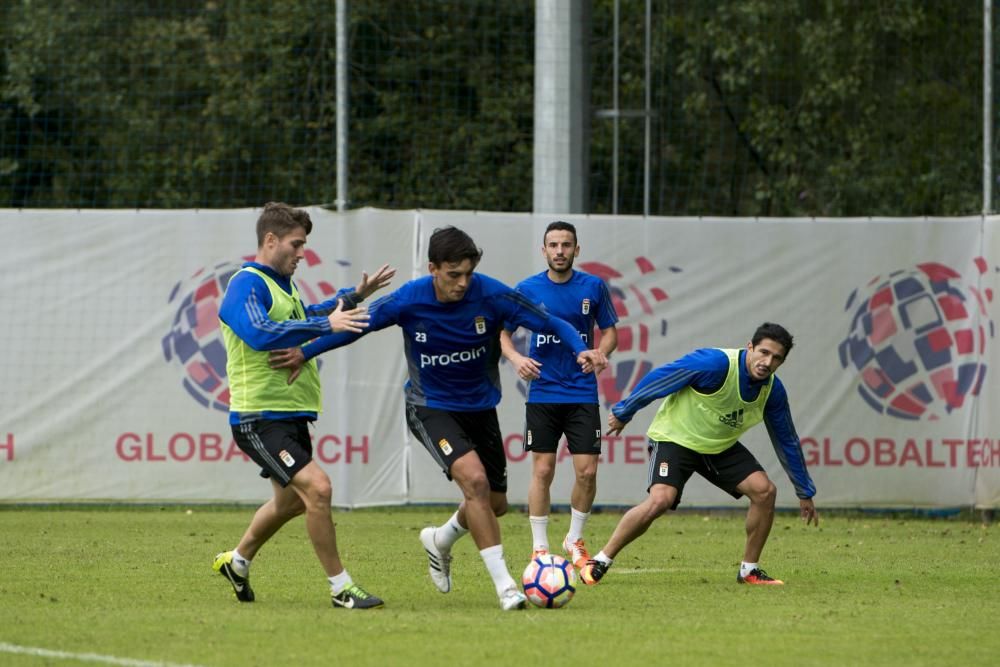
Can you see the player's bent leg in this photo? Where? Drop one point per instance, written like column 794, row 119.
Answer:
column 760, row 517
column 267, row 520
column 470, row 476
column 313, row 488
column 283, row 506
column 762, row 494
column 498, row 503
column 632, row 525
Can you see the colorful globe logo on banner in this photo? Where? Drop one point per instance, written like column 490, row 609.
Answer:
column 917, row 340
column 194, row 344
column 637, row 326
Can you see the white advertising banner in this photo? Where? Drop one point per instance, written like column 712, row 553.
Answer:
column 114, row 373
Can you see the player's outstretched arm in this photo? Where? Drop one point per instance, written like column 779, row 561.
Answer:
column 354, row 320
column 378, row 280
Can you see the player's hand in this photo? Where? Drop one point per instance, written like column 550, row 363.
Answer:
column 592, row 361
column 378, row 280
column 807, row 510
column 615, row 425
column 526, row 368
column 291, row 357
column 355, row 319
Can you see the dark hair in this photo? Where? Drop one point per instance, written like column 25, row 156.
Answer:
column 280, row 219
column 775, row 332
column 561, row 226
column 450, row 244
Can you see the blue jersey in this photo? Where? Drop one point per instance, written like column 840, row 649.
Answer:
column 244, row 310
column 583, row 301
column 705, row 370
column 453, row 349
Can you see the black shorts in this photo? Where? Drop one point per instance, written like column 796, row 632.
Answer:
column 281, row 447
column 673, row 464
column 545, row 424
column 448, row 435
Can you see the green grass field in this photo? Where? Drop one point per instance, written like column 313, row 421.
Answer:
column 134, row 586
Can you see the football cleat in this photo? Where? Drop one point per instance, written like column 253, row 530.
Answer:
column 539, row 552
column 576, row 553
column 512, row 599
column 758, row 577
column 241, row 585
column 593, row 571
column 438, row 562
column 355, row 597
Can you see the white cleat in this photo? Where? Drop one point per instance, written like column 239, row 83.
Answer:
column 438, row 562
column 512, row 599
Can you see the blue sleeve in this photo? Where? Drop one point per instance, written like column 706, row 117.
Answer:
column 384, row 312
column 518, row 311
column 244, row 310
column 606, row 315
column 784, row 439
column 704, row 369
column 350, row 297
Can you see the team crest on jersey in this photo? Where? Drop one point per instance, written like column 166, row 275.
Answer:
column 480, row 324
column 445, row 446
column 287, row 458
column 585, row 307
column 664, row 468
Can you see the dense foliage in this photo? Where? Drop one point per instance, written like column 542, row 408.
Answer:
column 759, row 107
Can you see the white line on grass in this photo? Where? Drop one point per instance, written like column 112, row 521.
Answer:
column 650, row 570
column 86, row 657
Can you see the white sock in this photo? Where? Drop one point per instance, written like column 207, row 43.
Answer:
column 445, row 536
column 339, row 582
column 604, row 558
column 576, row 523
column 540, row 531
column 240, row 564
column 746, row 568
column 497, row 567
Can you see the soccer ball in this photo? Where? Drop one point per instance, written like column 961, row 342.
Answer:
column 549, row 581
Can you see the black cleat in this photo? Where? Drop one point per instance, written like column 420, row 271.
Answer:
column 355, row 597
column 593, row 571
column 758, row 577
column 241, row 585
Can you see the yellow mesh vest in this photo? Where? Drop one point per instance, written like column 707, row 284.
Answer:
column 253, row 385
column 709, row 423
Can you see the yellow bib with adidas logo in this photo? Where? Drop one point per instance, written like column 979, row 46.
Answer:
column 709, row 423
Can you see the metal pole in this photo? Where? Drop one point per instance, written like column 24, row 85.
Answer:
column 342, row 104
column 614, row 120
column 562, row 107
column 987, row 106
column 648, row 109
